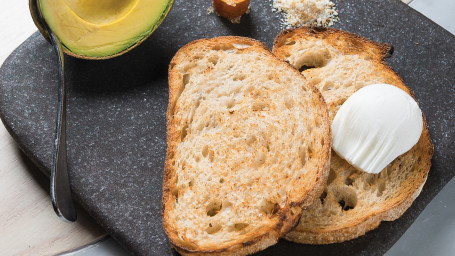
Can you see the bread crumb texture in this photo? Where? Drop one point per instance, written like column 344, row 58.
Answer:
column 299, row 13
column 247, row 146
column 338, row 64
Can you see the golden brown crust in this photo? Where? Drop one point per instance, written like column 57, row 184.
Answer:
column 423, row 150
column 372, row 48
column 287, row 217
column 359, row 227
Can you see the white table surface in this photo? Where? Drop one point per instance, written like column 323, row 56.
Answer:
column 16, row 26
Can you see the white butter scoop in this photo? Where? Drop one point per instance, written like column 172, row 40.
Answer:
column 375, row 125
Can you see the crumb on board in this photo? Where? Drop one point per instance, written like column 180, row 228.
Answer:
column 235, row 20
column 306, row 12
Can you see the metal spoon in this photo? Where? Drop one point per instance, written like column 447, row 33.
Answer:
column 61, row 197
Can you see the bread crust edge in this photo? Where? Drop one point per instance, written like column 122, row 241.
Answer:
column 289, row 215
column 392, row 212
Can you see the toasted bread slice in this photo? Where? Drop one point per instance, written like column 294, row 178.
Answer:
column 339, row 63
column 248, row 146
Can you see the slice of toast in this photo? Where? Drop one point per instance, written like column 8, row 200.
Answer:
column 339, row 63
column 248, row 144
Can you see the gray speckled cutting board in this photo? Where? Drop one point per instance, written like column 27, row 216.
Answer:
column 116, row 113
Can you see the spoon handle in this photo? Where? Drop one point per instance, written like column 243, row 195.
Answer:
column 62, row 200
column 61, row 197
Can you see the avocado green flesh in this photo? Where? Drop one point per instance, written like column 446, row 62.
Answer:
column 101, row 28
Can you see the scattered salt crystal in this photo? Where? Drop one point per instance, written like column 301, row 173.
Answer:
column 306, row 12
column 210, row 10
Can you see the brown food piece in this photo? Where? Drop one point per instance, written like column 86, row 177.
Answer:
column 339, row 63
column 248, row 145
column 231, row 9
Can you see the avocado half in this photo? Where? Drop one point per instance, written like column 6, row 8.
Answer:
column 101, row 29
